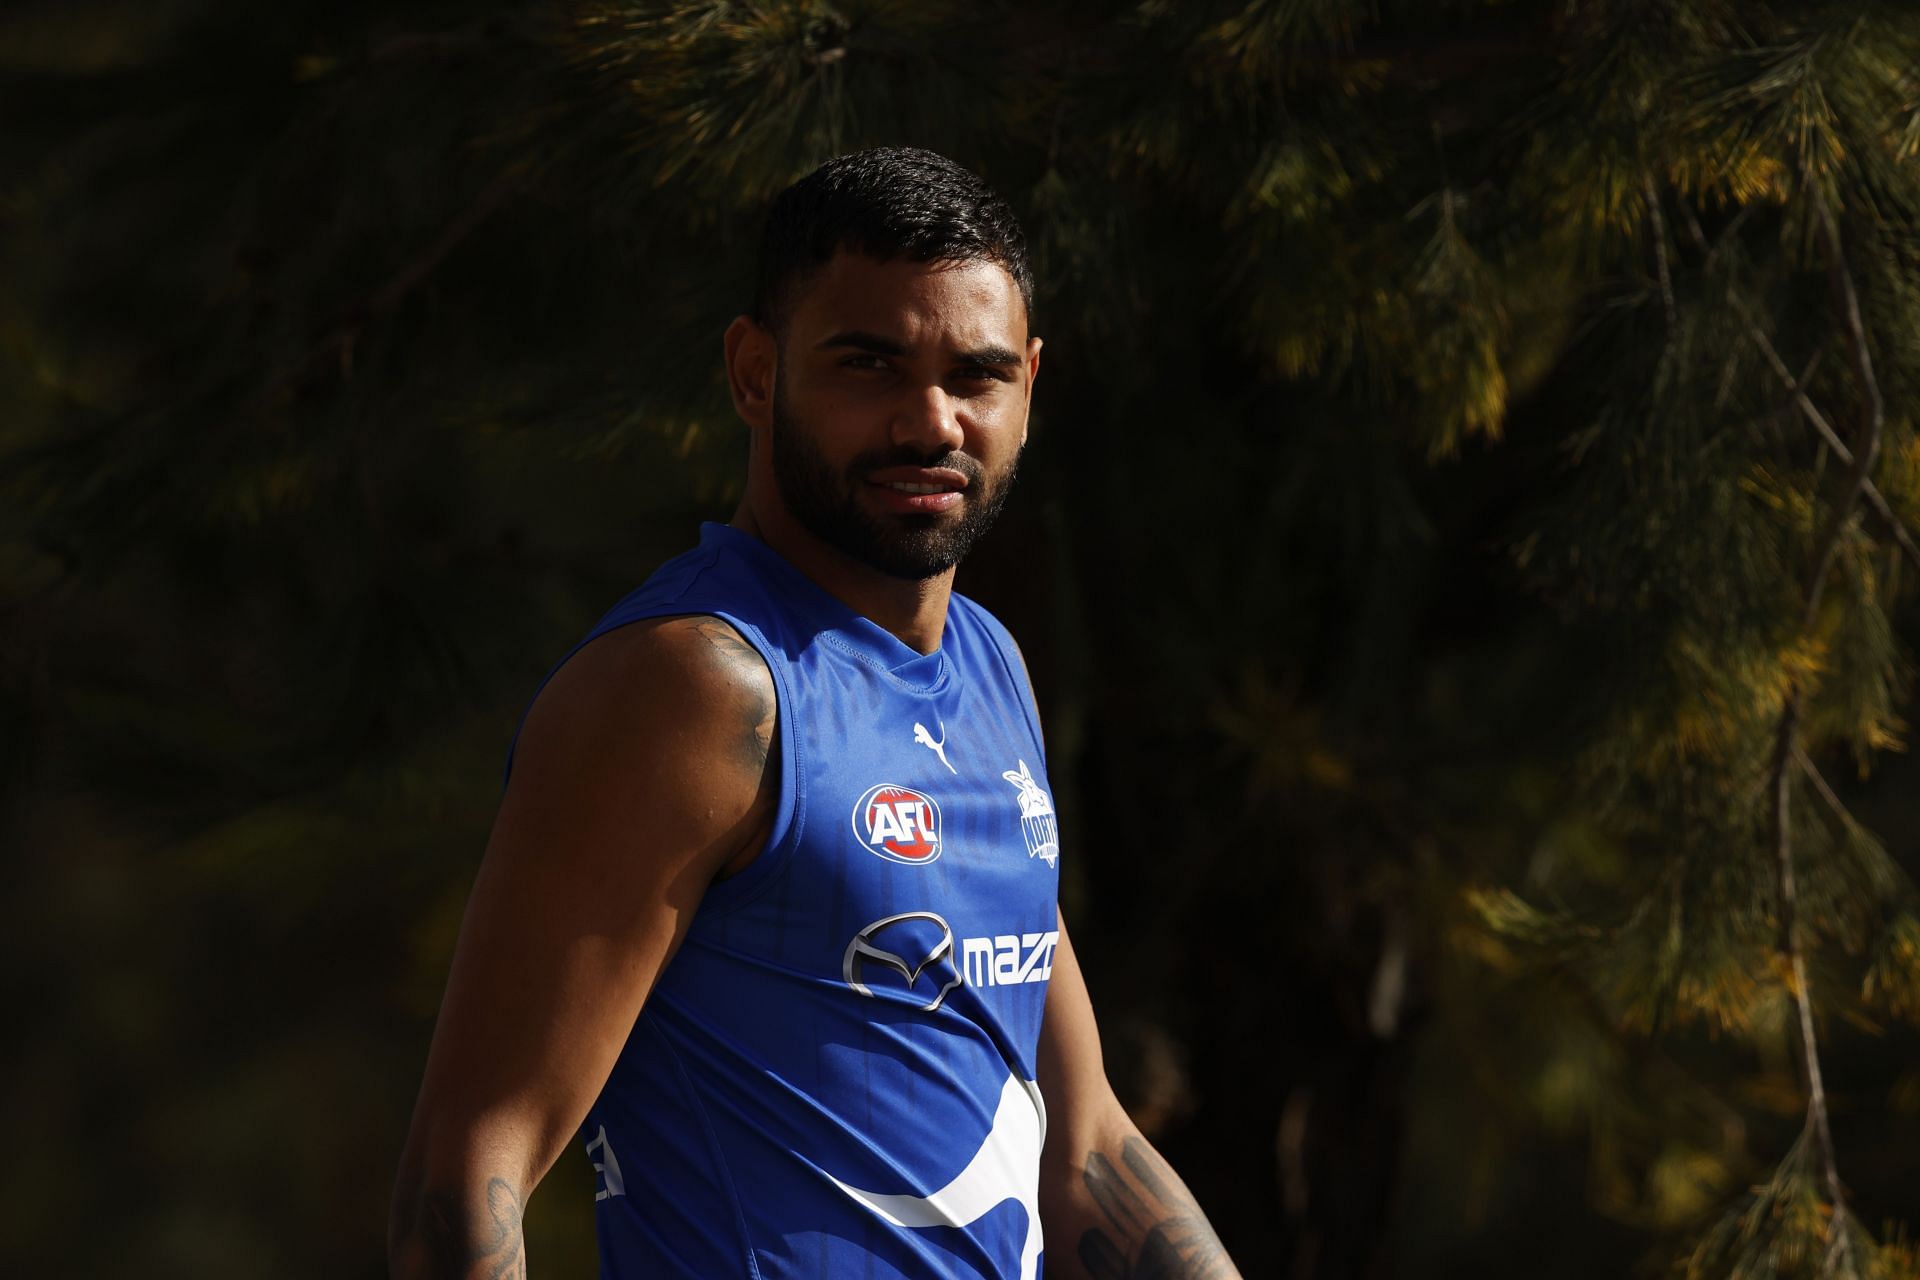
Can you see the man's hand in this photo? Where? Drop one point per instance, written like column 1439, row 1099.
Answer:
column 643, row 773
column 1111, row 1208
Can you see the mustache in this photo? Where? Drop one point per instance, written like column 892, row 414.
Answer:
column 953, row 459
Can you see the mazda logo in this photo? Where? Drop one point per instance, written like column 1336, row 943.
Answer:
column 913, row 944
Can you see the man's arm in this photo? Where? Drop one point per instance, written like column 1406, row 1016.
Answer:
column 1110, row 1207
column 642, row 774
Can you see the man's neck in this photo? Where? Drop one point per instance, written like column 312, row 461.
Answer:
column 914, row 611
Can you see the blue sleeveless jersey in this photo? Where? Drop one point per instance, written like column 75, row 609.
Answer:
column 834, row 1077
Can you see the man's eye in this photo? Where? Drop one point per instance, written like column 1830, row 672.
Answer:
column 863, row 362
column 982, row 373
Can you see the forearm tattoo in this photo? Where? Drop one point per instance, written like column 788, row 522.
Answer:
column 466, row 1242
column 1154, row 1230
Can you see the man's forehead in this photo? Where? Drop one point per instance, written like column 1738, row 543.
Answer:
column 958, row 303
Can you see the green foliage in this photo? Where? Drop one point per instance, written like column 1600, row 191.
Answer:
column 1413, row 561
column 737, row 101
column 1786, row 1229
column 1893, row 979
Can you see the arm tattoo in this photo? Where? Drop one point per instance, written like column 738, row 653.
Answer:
column 756, row 740
column 1154, row 1229
column 755, row 749
column 465, row 1242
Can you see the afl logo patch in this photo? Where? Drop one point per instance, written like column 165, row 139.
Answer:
column 898, row 823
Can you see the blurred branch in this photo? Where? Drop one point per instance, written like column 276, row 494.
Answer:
column 1657, row 223
column 1872, row 408
column 1787, row 747
column 338, row 345
column 1870, row 491
column 1896, row 529
column 1806, row 764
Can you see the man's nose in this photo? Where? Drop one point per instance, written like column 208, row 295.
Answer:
column 926, row 420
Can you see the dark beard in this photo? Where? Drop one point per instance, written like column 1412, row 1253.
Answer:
column 827, row 504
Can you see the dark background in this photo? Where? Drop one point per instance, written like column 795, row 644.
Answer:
column 1411, row 556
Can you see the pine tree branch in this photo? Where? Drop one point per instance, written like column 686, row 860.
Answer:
column 1786, row 742
column 1819, row 782
column 337, row 347
column 1786, row 746
column 1786, row 749
column 1896, row 529
column 1698, row 235
column 1658, row 223
column 1872, row 408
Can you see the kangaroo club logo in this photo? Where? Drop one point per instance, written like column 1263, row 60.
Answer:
column 898, row 823
column 1037, row 822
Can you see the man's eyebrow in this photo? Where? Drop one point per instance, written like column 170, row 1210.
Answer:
column 861, row 340
column 992, row 355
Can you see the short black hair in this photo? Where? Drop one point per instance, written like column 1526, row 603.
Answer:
column 886, row 203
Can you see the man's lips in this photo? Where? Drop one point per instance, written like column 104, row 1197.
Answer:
column 927, row 479
column 917, row 490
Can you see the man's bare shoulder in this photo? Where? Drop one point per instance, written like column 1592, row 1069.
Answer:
column 678, row 714
column 657, row 669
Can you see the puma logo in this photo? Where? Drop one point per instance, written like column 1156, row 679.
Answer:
column 925, row 739
column 1006, row 1167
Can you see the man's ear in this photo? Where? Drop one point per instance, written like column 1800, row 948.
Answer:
column 753, row 361
column 1033, row 373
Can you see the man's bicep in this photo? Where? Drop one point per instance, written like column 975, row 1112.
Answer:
column 642, row 773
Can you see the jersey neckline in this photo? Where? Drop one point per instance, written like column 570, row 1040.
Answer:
column 854, row 634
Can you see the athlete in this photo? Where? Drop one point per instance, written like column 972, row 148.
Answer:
column 768, row 920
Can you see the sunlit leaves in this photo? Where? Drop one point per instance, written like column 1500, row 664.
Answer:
column 1786, row 1229
column 1893, row 979
column 1459, row 331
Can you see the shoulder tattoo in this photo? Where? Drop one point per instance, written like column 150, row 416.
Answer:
column 754, row 743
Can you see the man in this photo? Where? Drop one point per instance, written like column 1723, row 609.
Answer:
column 768, row 916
